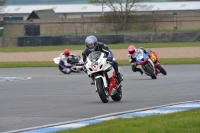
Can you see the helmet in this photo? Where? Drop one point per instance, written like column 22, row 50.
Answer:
column 66, row 52
column 91, row 43
column 131, row 50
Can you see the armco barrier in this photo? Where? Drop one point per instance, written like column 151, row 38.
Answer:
column 162, row 37
column 109, row 39
column 39, row 41
column 66, row 40
column 139, row 38
column 185, row 37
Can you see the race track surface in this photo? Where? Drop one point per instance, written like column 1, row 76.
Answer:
column 52, row 97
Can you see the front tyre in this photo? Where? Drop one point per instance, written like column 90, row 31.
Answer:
column 61, row 69
column 150, row 71
column 161, row 69
column 103, row 93
column 118, row 95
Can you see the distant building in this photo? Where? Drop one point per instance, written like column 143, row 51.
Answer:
column 42, row 14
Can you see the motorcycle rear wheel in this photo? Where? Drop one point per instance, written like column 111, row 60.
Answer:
column 118, row 95
column 161, row 69
column 101, row 90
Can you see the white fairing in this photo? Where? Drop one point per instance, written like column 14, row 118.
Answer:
column 74, row 68
column 56, row 60
column 99, row 65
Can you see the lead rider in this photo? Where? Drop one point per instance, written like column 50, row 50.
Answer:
column 92, row 45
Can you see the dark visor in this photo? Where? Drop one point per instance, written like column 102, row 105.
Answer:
column 132, row 52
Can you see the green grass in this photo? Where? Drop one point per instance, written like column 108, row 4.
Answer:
column 180, row 122
column 27, row 64
column 81, row 47
column 164, row 61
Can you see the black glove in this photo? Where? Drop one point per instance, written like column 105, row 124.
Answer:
column 133, row 59
column 110, row 59
column 145, row 51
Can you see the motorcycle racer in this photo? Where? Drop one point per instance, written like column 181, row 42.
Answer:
column 67, row 60
column 92, row 45
column 132, row 51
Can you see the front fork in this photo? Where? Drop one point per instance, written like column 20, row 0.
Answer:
column 112, row 83
column 151, row 64
column 103, row 77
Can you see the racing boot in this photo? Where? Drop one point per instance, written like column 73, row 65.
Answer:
column 119, row 77
column 136, row 69
column 92, row 83
column 141, row 72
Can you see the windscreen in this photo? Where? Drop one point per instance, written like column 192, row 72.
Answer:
column 94, row 56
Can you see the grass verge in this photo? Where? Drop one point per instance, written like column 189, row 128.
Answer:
column 111, row 46
column 180, row 122
column 164, row 61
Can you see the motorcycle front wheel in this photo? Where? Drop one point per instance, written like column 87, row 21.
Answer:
column 150, row 71
column 103, row 93
column 61, row 69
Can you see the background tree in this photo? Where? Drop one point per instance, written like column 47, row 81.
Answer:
column 2, row 6
column 121, row 9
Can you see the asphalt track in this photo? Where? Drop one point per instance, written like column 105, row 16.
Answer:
column 52, row 97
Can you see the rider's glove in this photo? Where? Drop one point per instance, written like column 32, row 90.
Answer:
column 109, row 59
column 145, row 51
column 133, row 59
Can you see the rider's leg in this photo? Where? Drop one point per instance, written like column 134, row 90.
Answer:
column 135, row 69
column 65, row 68
column 115, row 66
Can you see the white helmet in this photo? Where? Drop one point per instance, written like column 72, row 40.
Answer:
column 91, row 43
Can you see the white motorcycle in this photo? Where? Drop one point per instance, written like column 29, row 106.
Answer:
column 104, row 76
column 76, row 67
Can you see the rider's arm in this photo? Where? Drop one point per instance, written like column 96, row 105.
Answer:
column 145, row 51
column 132, row 59
column 104, row 48
column 85, row 53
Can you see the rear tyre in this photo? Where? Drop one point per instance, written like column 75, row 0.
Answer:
column 161, row 69
column 103, row 93
column 118, row 95
column 150, row 71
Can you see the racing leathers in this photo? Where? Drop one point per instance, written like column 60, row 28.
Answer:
column 66, row 62
column 103, row 48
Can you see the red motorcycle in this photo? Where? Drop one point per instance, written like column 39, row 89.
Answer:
column 155, row 60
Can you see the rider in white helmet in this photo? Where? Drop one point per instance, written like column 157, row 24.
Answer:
column 92, row 44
